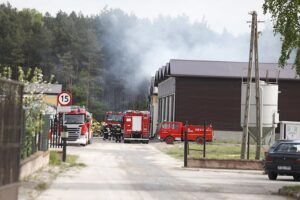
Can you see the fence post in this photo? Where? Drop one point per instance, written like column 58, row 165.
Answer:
column 185, row 146
column 204, row 144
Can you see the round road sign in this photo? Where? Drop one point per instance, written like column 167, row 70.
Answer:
column 64, row 99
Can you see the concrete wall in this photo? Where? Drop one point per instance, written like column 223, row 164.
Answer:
column 225, row 164
column 9, row 192
column 228, row 136
column 33, row 163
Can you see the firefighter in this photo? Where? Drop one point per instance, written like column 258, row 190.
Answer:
column 118, row 133
column 105, row 132
column 110, row 131
column 113, row 132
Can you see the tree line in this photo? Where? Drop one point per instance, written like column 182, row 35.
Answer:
column 70, row 47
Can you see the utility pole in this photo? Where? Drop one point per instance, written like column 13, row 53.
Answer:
column 247, row 102
column 245, row 137
column 257, row 88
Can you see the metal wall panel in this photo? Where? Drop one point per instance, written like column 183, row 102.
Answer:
column 166, row 87
column 217, row 101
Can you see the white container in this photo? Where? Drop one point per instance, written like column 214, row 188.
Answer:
column 269, row 104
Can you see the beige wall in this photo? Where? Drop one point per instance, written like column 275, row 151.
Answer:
column 50, row 99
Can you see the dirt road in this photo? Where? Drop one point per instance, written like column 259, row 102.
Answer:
column 141, row 171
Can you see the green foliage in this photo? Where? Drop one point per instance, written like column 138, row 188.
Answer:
column 33, row 103
column 76, row 49
column 286, row 20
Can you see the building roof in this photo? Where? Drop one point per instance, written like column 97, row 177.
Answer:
column 222, row 69
column 53, row 89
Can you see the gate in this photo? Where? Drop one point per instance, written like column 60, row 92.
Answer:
column 11, row 125
column 56, row 125
column 187, row 148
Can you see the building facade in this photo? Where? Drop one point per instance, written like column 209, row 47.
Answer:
column 210, row 91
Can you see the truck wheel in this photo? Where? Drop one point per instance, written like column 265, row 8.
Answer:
column 169, row 140
column 199, row 140
column 272, row 175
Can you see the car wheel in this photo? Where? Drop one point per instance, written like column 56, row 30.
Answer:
column 199, row 140
column 272, row 175
column 296, row 177
column 169, row 140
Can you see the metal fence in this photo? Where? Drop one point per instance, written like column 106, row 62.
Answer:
column 55, row 140
column 30, row 144
column 11, row 125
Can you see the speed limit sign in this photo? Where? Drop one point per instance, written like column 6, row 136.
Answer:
column 64, row 99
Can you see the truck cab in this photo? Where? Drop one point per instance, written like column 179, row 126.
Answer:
column 171, row 131
column 78, row 123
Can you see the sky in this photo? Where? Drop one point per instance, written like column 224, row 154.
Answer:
column 231, row 15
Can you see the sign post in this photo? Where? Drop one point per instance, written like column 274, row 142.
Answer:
column 64, row 100
column 64, row 136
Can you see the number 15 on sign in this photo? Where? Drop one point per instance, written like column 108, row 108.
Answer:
column 64, row 99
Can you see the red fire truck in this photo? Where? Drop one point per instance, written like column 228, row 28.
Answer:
column 136, row 126
column 113, row 118
column 78, row 121
column 170, row 131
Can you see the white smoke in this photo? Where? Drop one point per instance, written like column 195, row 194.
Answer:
column 140, row 46
column 153, row 43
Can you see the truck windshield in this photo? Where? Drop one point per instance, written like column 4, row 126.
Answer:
column 114, row 118
column 74, row 119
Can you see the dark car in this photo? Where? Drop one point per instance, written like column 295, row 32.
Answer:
column 283, row 158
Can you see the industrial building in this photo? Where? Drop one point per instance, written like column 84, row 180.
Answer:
column 210, row 91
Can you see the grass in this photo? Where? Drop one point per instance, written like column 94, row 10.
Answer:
column 41, row 186
column 55, row 159
column 213, row 150
column 292, row 190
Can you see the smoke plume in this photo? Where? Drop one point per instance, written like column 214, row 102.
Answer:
column 138, row 47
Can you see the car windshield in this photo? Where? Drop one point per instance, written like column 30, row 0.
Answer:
column 288, row 148
column 114, row 118
column 74, row 119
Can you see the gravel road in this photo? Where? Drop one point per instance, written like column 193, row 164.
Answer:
column 141, row 171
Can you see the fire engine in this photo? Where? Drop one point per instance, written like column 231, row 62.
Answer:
column 113, row 118
column 136, row 126
column 170, row 131
column 78, row 122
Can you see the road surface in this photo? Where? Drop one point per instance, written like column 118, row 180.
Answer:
column 141, row 171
